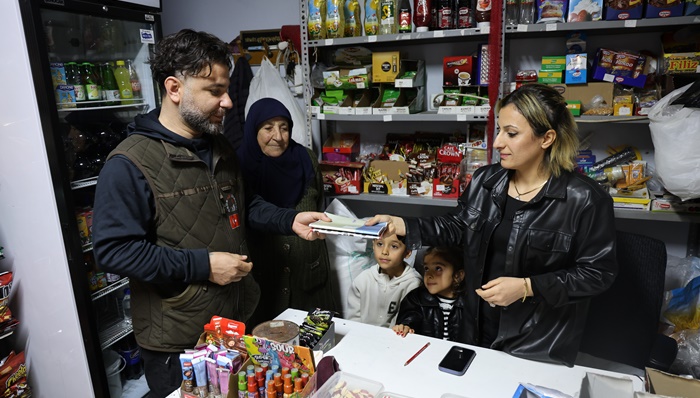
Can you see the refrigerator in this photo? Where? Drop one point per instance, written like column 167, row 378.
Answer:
column 70, row 46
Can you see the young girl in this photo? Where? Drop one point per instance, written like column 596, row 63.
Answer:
column 376, row 292
column 437, row 309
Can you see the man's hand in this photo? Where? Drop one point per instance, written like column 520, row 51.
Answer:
column 226, row 267
column 502, row 291
column 394, row 225
column 302, row 221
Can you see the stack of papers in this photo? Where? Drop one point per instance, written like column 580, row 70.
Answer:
column 348, row 226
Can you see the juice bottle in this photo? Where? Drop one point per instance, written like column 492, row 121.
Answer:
column 93, row 90
column 134, row 79
column 371, row 17
column 73, row 78
column 110, row 89
column 388, row 19
column 121, row 75
column 405, row 17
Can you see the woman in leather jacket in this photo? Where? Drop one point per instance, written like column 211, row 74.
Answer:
column 538, row 237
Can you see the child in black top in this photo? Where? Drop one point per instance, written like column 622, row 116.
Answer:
column 437, row 308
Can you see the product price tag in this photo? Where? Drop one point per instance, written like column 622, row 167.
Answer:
column 522, row 27
column 372, row 39
column 463, row 32
column 550, row 27
column 321, row 116
column 406, row 36
column 329, row 42
column 630, row 23
column 438, row 33
column 608, row 78
column 696, row 20
column 461, row 118
column 387, row 118
column 486, row 30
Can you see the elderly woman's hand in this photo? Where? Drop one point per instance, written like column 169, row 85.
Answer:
column 394, row 225
column 302, row 221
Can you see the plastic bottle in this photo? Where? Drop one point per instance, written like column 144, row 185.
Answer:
column 465, row 14
column 405, row 17
column 387, row 22
column 335, row 19
column 353, row 18
column 421, row 15
column 73, row 78
column 371, row 17
column 483, row 13
column 512, row 11
column 527, row 12
column 110, row 89
column 121, row 75
column 126, row 305
column 242, row 385
column 132, row 354
column 134, row 79
column 445, row 17
column 317, row 15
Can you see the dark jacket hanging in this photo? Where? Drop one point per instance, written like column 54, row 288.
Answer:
column 238, row 91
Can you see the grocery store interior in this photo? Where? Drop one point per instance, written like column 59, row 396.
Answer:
column 427, row 85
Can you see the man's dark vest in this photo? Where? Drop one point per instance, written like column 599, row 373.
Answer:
column 194, row 210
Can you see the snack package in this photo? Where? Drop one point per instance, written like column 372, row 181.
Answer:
column 551, row 11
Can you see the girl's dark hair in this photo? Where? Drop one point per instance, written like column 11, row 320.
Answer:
column 452, row 255
column 187, row 53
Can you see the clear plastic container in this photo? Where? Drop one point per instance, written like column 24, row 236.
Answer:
column 343, row 380
column 391, row 395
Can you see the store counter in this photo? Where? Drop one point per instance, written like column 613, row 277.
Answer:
column 378, row 354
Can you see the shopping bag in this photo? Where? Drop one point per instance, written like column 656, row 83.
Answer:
column 267, row 83
column 675, row 132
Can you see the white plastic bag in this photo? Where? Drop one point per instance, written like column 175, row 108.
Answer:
column 267, row 83
column 675, row 132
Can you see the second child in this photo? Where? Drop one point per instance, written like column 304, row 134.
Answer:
column 376, row 292
column 437, row 309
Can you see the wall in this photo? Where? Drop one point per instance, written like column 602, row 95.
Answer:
column 226, row 18
column 42, row 298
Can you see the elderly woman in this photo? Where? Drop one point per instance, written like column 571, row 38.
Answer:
column 539, row 238
column 292, row 272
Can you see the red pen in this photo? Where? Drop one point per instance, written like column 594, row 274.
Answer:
column 416, row 354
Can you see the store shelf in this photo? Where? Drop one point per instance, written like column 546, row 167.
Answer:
column 436, row 35
column 87, row 247
column 110, row 288
column 411, row 200
column 6, row 334
column 603, row 26
column 430, row 116
column 88, row 182
column 94, row 108
column 115, row 333
column 656, row 216
column 611, row 119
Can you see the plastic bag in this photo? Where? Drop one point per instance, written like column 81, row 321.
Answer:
column 267, row 82
column 675, row 132
column 683, row 308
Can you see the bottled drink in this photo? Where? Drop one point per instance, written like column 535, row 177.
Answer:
column 405, row 17
column 134, row 79
column 73, row 78
column 421, row 14
column 465, row 14
column 512, row 11
column 131, row 352
column 121, row 75
column 444, row 15
column 527, row 12
column 387, row 23
column 126, row 305
column 433, row 14
column 90, row 81
column 353, row 22
column 110, row 89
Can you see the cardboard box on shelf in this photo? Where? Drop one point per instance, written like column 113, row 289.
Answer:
column 574, row 106
column 408, row 101
column 547, row 77
column 620, row 67
column 554, row 63
column 667, row 384
column 586, row 92
column 616, row 10
column 576, row 69
column 341, row 178
column 457, row 70
column 347, row 78
column 411, row 73
column 669, row 8
column 681, row 51
column 343, row 147
column 388, row 177
column 385, row 66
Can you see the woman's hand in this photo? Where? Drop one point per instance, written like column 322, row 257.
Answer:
column 394, row 225
column 402, row 330
column 503, row 291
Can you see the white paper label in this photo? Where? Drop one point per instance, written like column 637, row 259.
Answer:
column 608, row 78
column 387, row 118
column 486, row 30
column 461, row 118
column 438, row 33
column 630, row 23
column 522, row 27
column 550, row 27
column 372, row 39
column 147, row 36
column 361, row 85
column 321, row 116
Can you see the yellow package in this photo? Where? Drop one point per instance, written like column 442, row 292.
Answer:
column 335, row 19
column 317, row 16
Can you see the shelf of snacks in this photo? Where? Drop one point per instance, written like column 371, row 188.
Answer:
column 657, row 216
column 110, row 288
column 407, row 199
column 611, row 119
column 429, row 116
column 636, row 24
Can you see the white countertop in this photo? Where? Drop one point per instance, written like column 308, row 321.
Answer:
column 378, row 354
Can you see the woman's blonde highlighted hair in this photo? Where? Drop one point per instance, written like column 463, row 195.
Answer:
column 545, row 109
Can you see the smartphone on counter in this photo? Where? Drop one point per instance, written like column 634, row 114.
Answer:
column 457, row 360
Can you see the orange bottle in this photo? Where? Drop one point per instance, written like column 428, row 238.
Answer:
column 288, row 386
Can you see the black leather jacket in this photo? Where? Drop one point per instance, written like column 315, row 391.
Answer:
column 421, row 311
column 563, row 239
